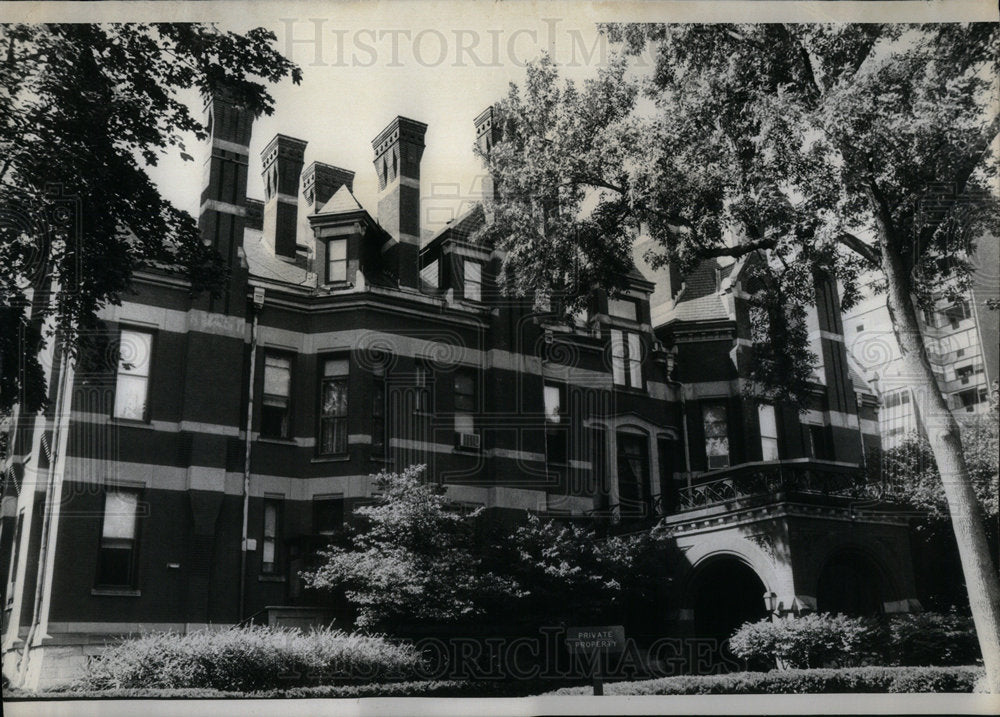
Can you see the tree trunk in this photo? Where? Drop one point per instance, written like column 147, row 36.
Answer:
column 942, row 431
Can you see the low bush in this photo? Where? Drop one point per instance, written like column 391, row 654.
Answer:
column 817, row 640
column 929, row 638
column 816, row 681
column 824, row 640
column 248, row 659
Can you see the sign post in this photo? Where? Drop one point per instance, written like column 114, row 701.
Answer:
column 597, row 642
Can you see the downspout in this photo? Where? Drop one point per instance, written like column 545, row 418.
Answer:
column 46, row 522
column 258, row 303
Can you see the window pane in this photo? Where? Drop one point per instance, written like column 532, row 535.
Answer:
column 270, row 520
column 464, row 423
column 335, row 397
column 464, row 383
column 635, row 360
column 553, row 403
column 473, row 272
column 268, row 554
column 130, row 397
column 768, row 424
column 337, row 271
column 277, row 375
column 337, row 249
column 134, row 351
column 335, row 367
column 119, row 514
column 769, row 449
column 623, row 308
column 618, row 357
column 333, row 436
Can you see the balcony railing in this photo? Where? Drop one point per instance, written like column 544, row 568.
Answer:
column 763, row 479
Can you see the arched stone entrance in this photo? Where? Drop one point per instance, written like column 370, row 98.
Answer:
column 725, row 592
column 850, row 583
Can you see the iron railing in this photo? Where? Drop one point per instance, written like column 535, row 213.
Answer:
column 763, row 479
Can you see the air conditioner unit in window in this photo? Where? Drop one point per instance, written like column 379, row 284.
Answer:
column 468, row 440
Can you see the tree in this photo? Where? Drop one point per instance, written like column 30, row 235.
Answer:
column 415, row 560
column 854, row 151
column 411, row 560
column 569, row 575
column 86, row 108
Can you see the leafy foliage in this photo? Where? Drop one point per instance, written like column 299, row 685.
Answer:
column 794, row 144
column 824, row 640
column 414, row 560
column 246, row 659
column 908, row 472
column 814, row 640
column 568, row 574
column 86, row 108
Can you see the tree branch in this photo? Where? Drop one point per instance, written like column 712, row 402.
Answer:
column 735, row 251
column 859, row 247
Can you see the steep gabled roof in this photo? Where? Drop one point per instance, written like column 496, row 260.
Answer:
column 343, row 200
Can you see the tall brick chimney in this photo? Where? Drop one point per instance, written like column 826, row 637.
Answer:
column 222, row 215
column 398, row 149
column 282, row 159
column 321, row 181
column 488, row 133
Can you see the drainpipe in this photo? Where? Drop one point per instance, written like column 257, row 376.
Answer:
column 46, row 522
column 258, row 303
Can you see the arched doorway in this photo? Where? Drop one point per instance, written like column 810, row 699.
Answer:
column 726, row 592
column 850, row 583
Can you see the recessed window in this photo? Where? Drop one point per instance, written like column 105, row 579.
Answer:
column 626, row 358
column 333, row 408
column 422, row 386
column 768, row 432
column 275, row 420
column 623, row 309
column 117, row 560
column 859, row 328
column 336, row 260
column 328, row 514
column 465, row 401
column 378, row 416
column 716, row 435
column 820, row 442
column 269, row 541
column 555, row 428
column 473, row 284
column 132, row 384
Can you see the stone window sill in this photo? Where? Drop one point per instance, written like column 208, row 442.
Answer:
column 116, row 592
column 270, row 578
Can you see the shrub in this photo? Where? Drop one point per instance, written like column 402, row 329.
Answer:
column 930, row 638
column 816, row 640
column 248, row 659
column 815, row 681
column 836, row 640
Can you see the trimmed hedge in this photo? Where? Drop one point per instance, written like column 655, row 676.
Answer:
column 824, row 640
column 249, row 659
column 428, row 688
column 816, row 681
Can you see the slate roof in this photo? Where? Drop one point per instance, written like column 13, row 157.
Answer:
column 700, row 299
column 265, row 265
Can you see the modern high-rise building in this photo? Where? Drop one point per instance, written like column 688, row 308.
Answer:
column 961, row 340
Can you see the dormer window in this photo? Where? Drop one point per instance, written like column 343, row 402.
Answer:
column 336, row 260
column 429, row 275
